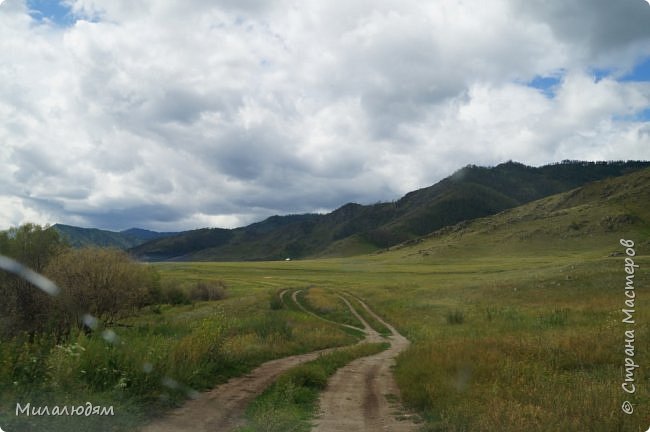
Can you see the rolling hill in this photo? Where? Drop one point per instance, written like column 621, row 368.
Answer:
column 470, row 193
column 590, row 218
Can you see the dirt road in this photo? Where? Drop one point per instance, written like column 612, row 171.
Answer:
column 363, row 395
column 222, row 408
column 354, row 400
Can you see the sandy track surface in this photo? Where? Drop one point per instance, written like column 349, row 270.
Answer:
column 357, row 395
column 353, row 401
column 222, row 408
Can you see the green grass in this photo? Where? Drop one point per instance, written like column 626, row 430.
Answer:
column 540, row 333
column 162, row 357
column 536, row 352
column 290, row 404
column 515, row 323
column 327, row 304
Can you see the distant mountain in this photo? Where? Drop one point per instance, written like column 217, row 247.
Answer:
column 470, row 193
column 80, row 237
column 590, row 219
column 178, row 246
column 143, row 235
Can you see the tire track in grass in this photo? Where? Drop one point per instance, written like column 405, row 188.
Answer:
column 357, row 395
column 294, row 296
column 222, row 408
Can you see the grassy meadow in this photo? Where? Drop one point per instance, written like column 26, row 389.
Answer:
column 539, row 344
column 515, row 322
column 513, row 342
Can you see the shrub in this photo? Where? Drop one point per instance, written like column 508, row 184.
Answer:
column 173, row 294
column 103, row 282
column 208, row 291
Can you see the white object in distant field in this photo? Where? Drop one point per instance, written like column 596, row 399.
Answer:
column 289, row 259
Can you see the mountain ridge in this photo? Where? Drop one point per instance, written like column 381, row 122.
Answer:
column 470, row 193
column 592, row 217
column 125, row 239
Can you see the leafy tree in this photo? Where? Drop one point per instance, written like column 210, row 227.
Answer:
column 24, row 307
column 31, row 244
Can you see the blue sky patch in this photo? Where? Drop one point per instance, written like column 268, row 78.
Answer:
column 54, row 11
column 641, row 72
column 546, row 84
column 642, row 116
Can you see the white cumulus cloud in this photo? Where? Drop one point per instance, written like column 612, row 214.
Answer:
column 175, row 115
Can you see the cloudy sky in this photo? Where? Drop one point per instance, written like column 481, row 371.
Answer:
column 174, row 115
